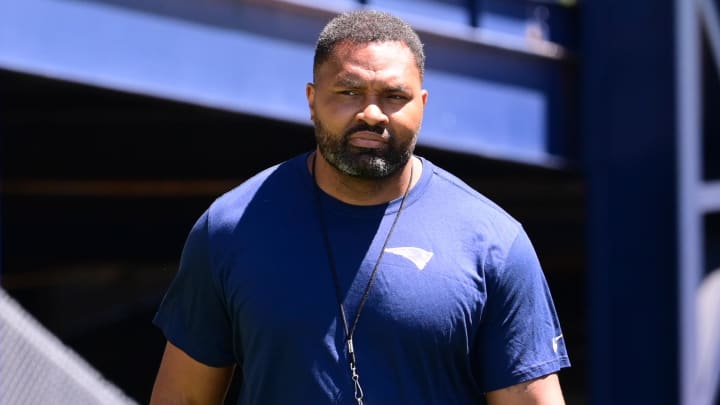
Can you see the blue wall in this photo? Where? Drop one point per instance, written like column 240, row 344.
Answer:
column 629, row 135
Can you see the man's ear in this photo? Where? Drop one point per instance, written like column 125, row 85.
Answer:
column 310, row 94
column 424, row 96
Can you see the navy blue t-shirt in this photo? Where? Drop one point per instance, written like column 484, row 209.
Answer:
column 459, row 306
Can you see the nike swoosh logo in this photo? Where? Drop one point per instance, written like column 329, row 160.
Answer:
column 555, row 343
column 419, row 257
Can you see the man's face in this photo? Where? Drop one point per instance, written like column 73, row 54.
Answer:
column 367, row 106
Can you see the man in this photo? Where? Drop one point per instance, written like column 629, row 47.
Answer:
column 359, row 272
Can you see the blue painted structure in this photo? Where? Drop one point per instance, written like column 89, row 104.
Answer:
column 649, row 134
column 494, row 93
column 629, row 143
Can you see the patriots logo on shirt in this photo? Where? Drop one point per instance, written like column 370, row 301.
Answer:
column 419, row 257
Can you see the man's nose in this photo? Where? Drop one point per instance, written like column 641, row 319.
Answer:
column 372, row 114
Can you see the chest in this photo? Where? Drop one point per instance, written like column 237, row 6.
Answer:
column 280, row 284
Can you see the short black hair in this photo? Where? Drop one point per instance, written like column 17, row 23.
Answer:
column 364, row 26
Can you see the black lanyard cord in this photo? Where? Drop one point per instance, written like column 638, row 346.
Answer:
column 350, row 331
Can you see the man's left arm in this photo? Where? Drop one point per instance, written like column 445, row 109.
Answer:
column 544, row 390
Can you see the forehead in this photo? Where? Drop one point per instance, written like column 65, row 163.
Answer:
column 374, row 59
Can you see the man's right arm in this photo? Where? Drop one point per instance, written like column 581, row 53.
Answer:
column 182, row 380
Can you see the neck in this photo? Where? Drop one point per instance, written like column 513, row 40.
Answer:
column 356, row 191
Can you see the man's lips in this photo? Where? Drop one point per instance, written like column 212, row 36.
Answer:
column 367, row 139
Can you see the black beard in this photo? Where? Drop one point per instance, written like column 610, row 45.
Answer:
column 362, row 162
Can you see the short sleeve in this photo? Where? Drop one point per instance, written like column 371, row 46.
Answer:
column 520, row 336
column 192, row 314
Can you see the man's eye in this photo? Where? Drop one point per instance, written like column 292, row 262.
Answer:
column 398, row 97
column 349, row 93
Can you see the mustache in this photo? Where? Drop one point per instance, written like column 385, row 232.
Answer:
column 363, row 126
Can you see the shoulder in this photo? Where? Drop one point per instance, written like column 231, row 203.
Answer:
column 467, row 202
column 464, row 215
column 274, row 183
column 463, row 192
